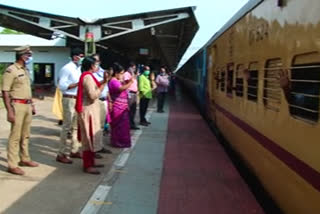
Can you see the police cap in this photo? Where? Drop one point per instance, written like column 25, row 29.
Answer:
column 23, row 50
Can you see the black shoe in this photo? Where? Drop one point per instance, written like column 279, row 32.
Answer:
column 148, row 122
column 104, row 151
column 60, row 123
column 97, row 156
column 144, row 123
column 134, row 128
column 98, row 166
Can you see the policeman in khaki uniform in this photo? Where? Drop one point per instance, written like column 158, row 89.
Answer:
column 17, row 97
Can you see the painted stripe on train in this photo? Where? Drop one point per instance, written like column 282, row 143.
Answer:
column 305, row 171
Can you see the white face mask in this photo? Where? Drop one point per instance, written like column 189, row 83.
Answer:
column 80, row 61
column 28, row 60
column 95, row 68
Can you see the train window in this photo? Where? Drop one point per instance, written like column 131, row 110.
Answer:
column 272, row 90
column 239, row 80
column 305, row 87
column 229, row 79
column 253, row 82
column 217, row 78
column 222, row 80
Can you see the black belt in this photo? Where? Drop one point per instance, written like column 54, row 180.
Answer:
column 133, row 92
column 103, row 99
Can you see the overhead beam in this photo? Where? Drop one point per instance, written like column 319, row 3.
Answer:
column 43, row 22
column 139, row 24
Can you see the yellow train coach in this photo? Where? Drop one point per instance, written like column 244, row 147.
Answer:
column 260, row 79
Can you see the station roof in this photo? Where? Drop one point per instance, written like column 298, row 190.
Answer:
column 159, row 35
column 16, row 40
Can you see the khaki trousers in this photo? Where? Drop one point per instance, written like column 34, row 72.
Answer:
column 18, row 144
column 70, row 125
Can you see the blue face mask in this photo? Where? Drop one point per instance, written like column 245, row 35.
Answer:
column 29, row 60
column 146, row 72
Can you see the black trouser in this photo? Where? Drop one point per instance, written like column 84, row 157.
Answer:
column 143, row 105
column 132, row 107
column 161, row 96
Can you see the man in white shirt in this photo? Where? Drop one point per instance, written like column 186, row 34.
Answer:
column 68, row 84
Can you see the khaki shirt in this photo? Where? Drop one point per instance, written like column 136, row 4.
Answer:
column 16, row 81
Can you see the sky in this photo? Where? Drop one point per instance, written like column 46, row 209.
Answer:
column 211, row 14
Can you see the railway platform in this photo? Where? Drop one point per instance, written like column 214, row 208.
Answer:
column 176, row 165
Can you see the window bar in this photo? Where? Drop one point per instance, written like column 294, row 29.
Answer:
column 306, row 95
column 305, row 109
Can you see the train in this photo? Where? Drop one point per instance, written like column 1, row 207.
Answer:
column 257, row 80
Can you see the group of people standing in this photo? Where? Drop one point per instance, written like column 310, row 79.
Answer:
column 92, row 99
column 102, row 97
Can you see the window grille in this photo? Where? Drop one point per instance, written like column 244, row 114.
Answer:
column 217, row 78
column 239, row 80
column 305, row 91
column 222, row 80
column 253, row 82
column 272, row 90
column 230, row 79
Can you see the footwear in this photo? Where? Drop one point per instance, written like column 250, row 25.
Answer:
column 75, row 155
column 134, row 128
column 148, row 122
column 16, row 171
column 104, row 151
column 91, row 170
column 97, row 156
column 98, row 165
column 160, row 111
column 60, row 122
column 69, row 136
column 63, row 159
column 144, row 123
column 28, row 163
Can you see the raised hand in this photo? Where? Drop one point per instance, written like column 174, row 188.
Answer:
column 284, row 78
column 105, row 76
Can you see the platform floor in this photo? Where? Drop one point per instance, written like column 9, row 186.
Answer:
column 198, row 176
column 176, row 166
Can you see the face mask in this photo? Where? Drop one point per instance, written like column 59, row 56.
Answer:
column 146, row 73
column 28, row 60
column 80, row 61
column 95, row 68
